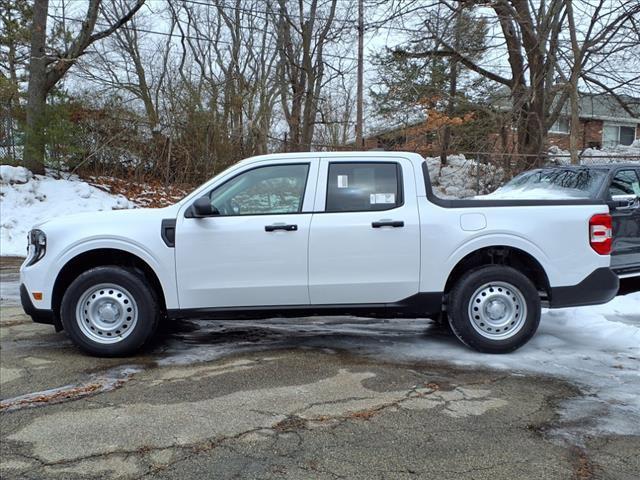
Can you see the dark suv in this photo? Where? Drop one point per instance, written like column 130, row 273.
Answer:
column 618, row 184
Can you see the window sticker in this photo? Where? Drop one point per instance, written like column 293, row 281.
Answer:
column 343, row 181
column 376, row 198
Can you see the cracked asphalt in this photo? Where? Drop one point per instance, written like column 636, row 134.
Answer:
column 220, row 400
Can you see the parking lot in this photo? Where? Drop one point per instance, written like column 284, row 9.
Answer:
column 302, row 398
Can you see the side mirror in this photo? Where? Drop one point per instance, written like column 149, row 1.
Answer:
column 202, row 208
column 625, row 202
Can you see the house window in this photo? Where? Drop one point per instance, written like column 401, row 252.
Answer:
column 561, row 125
column 613, row 135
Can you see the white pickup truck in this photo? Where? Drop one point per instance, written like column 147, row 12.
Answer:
column 299, row 234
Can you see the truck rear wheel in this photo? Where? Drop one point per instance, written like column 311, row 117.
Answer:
column 494, row 309
column 109, row 311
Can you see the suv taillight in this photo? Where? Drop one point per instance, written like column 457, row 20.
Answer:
column 600, row 233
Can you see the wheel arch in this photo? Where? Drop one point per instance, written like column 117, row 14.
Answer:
column 101, row 257
column 501, row 255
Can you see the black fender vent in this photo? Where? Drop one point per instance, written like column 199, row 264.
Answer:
column 168, row 232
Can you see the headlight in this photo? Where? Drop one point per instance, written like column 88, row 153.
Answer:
column 37, row 246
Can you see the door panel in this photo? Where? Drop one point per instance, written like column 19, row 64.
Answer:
column 364, row 256
column 255, row 253
column 234, row 261
column 625, row 252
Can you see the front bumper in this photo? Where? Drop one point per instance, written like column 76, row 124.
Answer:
column 599, row 287
column 37, row 315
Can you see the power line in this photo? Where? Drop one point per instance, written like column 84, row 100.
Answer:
column 267, row 12
column 373, row 26
column 253, row 28
column 225, row 42
column 376, row 25
column 189, row 37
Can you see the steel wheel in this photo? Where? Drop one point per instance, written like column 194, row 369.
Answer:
column 497, row 310
column 107, row 313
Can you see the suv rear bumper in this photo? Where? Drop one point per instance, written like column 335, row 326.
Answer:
column 599, row 287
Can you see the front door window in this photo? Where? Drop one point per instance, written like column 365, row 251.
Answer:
column 274, row 189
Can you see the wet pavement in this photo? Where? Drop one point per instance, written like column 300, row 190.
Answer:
column 10, row 280
column 295, row 398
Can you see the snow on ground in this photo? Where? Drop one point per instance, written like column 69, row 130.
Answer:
column 591, row 156
column 618, row 153
column 459, row 177
column 27, row 199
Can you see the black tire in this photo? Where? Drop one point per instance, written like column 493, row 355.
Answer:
column 465, row 293
column 143, row 299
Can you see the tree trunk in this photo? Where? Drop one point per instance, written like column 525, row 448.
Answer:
column 531, row 132
column 34, row 143
column 453, row 88
column 574, row 127
column 446, row 137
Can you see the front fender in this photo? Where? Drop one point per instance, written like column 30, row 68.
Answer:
column 162, row 265
column 41, row 277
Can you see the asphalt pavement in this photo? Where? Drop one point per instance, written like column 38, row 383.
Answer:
column 272, row 400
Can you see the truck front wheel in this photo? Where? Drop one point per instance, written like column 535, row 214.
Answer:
column 494, row 309
column 109, row 311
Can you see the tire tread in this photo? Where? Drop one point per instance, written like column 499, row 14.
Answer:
column 458, row 308
column 147, row 322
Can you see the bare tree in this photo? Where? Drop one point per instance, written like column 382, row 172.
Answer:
column 607, row 36
column 336, row 116
column 303, row 36
column 234, row 51
column 47, row 68
column 131, row 64
column 532, row 33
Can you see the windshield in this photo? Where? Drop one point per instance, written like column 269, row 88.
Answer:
column 553, row 183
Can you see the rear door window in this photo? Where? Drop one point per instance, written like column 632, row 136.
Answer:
column 625, row 182
column 362, row 186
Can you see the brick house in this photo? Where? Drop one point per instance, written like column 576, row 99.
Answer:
column 603, row 124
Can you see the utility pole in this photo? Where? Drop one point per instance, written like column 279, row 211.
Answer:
column 360, row 86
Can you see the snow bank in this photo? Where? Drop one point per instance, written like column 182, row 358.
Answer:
column 462, row 177
column 591, row 156
column 27, row 199
column 10, row 174
column 620, row 153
